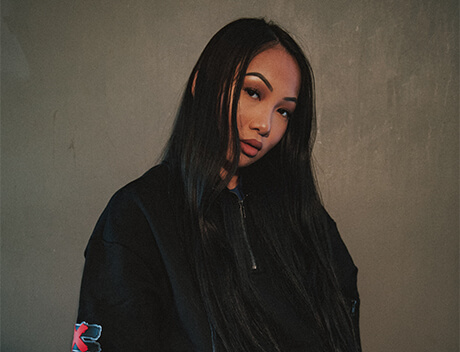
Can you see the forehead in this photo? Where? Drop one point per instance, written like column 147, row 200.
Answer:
column 278, row 67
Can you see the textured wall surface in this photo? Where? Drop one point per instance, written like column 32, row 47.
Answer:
column 89, row 93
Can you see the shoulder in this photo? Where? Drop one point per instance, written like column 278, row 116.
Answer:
column 152, row 185
column 344, row 267
column 134, row 209
column 148, row 193
column 134, row 223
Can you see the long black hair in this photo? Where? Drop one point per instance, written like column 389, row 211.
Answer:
column 285, row 207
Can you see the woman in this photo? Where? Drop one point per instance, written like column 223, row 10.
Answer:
column 225, row 246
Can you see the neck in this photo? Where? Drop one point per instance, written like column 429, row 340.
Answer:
column 233, row 182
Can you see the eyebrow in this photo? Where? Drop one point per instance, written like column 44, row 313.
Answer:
column 267, row 83
column 261, row 76
column 290, row 99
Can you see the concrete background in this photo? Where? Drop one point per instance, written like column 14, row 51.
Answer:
column 89, row 93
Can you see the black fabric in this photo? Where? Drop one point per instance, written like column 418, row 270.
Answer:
column 138, row 285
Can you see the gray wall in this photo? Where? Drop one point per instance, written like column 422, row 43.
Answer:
column 89, row 92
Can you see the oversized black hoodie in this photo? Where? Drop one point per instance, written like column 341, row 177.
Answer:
column 138, row 291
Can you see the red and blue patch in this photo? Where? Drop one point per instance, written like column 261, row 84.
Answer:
column 85, row 337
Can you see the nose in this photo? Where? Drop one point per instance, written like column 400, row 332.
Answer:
column 261, row 123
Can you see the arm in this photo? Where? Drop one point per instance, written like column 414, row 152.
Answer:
column 346, row 273
column 124, row 287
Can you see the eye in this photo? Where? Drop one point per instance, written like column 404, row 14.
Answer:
column 253, row 93
column 285, row 113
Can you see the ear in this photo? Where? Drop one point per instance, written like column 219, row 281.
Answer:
column 193, row 83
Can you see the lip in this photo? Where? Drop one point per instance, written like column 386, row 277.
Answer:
column 253, row 143
column 250, row 147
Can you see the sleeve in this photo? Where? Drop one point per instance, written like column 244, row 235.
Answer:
column 124, row 286
column 347, row 274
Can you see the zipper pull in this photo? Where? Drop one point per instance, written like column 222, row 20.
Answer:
column 243, row 211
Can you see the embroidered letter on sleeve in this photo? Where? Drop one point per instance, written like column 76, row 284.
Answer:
column 85, row 337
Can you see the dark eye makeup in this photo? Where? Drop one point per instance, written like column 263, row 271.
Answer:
column 285, row 113
column 252, row 92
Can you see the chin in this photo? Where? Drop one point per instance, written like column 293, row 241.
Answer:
column 246, row 160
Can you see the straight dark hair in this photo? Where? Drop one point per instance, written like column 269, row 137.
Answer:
column 285, row 203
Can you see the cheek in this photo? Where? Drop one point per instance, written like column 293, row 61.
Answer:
column 278, row 131
column 242, row 113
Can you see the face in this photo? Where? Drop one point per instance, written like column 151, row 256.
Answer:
column 267, row 101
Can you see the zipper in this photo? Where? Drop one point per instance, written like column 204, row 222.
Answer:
column 245, row 234
column 251, row 256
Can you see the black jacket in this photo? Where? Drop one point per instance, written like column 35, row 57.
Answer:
column 138, row 286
